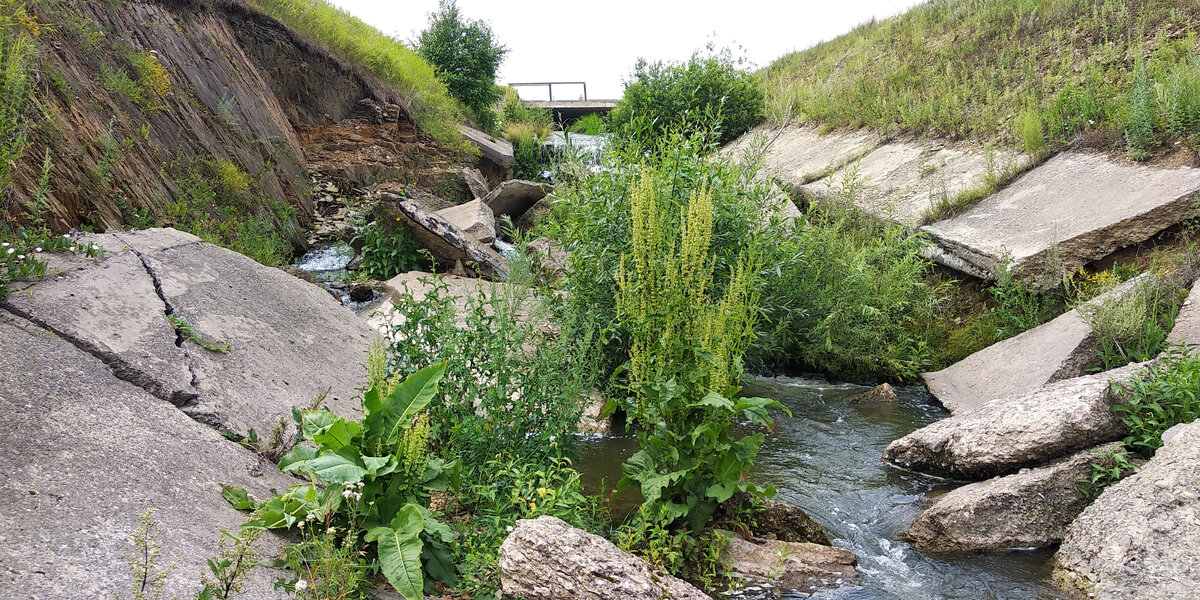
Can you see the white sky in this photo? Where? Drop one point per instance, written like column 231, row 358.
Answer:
column 599, row 42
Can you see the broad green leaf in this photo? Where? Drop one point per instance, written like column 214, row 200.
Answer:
column 341, row 466
column 238, row 497
column 714, row 400
column 435, row 556
column 379, row 466
column 434, row 527
column 400, row 552
column 339, row 433
column 411, row 396
column 296, row 458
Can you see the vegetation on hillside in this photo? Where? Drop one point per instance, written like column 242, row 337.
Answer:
column 1031, row 73
column 436, row 111
column 17, row 28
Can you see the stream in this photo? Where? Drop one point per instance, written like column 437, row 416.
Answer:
column 825, row 459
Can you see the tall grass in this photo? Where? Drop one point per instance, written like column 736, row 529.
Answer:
column 436, row 111
column 1026, row 72
column 16, row 56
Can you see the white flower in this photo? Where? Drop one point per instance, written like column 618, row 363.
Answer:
column 4, row 245
column 10, row 250
column 20, row 257
column 347, row 494
column 311, row 517
column 72, row 248
column 301, row 585
column 360, row 485
column 66, row 236
column 38, row 249
column 509, row 528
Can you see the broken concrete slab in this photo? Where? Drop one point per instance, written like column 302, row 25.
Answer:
column 1071, row 210
column 446, row 242
column 514, row 197
column 1063, row 348
column 496, row 160
column 799, row 154
column 474, row 218
column 789, row 565
column 85, row 454
column 1028, row 509
column 1141, row 537
column 1187, row 323
column 1007, row 434
column 110, row 308
column 901, row 181
column 475, row 182
column 288, row 340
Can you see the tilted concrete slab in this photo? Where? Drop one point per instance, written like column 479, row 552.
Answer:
column 799, row 154
column 1187, row 323
column 289, row 340
column 85, row 454
column 1080, row 206
column 1062, row 348
column 901, row 181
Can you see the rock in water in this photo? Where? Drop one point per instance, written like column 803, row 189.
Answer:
column 776, row 519
column 1008, row 434
column 792, row 565
column 880, row 394
column 1030, row 509
column 547, row 559
column 1141, row 538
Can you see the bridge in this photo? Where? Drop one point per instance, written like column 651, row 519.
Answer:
column 566, row 111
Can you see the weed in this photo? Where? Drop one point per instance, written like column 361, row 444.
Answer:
column 21, row 253
column 1110, row 468
column 1134, row 327
column 17, row 53
column 39, row 203
column 388, row 249
column 187, row 331
column 1158, row 398
column 227, row 572
column 148, row 575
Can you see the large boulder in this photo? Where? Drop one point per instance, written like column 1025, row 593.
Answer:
column 1141, row 538
column 1007, row 434
column 288, row 341
column 515, row 197
column 442, row 238
column 1029, row 509
column 790, row 565
column 474, row 218
column 476, row 182
column 547, row 559
column 1063, row 348
column 1071, row 210
column 85, row 454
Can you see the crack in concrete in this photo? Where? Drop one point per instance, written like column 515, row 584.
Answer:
column 169, row 310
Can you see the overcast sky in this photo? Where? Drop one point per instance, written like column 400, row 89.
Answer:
column 599, row 42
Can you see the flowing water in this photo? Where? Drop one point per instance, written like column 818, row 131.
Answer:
column 825, row 459
column 329, row 265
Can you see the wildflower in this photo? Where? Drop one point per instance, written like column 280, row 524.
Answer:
column 72, row 248
column 3, row 244
column 11, row 250
column 20, row 257
column 301, row 585
column 532, row 506
column 509, row 528
column 311, row 517
column 38, row 249
column 542, row 492
column 347, row 494
column 360, row 485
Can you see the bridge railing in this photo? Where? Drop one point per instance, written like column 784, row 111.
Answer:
column 549, row 85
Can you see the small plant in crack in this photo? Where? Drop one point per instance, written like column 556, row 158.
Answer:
column 186, row 330
column 148, row 577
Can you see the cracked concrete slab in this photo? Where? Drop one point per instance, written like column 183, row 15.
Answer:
column 109, row 308
column 799, row 154
column 1063, row 348
column 289, row 340
column 1079, row 207
column 83, row 455
column 901, row 181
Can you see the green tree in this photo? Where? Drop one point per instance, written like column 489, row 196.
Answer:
column 706, row 90
column 464, row 54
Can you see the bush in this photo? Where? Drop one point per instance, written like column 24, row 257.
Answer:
column 1134, row 328
column 465, row 56
column 701, row 93
column 388, row 250
column 1159, row 398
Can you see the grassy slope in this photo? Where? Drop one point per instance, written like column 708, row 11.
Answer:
column 436, row 111
column 1031, row 73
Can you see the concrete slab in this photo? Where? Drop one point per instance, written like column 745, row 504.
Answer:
column 474, row 218
column 1081, row 206
column 85, row 454
column 1187, row 323
column 900, row 181
column 289, row 340
column 515, row 197
column 497, row 154
column 1062, row 348
column 799, row 154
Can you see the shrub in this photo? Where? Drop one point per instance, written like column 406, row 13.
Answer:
column 1134, row 328
column 464, row 54
column 589, row 124
column 1159, row 398
column 1139, row 131
column 707, row 90
column 388, row 250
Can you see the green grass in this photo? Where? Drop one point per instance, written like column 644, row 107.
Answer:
column 435, row 110
column 16, row 57
column 1029, row 73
